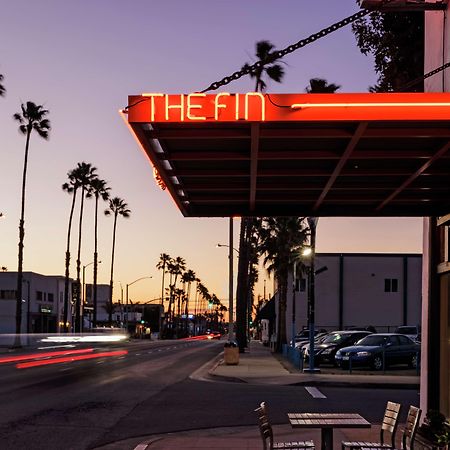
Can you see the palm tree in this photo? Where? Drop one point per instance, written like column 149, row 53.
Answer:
column 264, row 52
column 99, row 190
column 86, row 173
column 281, row 239
column 2, row 88
column 321, row 86
column 117, row 207
column 71, row 187
column 31, row 118
column 189, row 277
column 164, row 260
column 275, row 72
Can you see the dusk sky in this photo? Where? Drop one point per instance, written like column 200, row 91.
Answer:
column 82, row 59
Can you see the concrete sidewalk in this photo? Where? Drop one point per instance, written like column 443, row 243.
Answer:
column 260, row 366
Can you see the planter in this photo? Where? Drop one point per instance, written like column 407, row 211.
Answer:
column 231, row 355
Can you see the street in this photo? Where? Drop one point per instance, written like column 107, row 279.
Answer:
column 86, row 404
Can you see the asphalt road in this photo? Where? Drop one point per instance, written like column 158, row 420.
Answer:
column 87, row 404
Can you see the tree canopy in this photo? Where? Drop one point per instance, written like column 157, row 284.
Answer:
column 396, row 41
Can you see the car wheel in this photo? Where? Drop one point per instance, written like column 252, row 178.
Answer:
column 377, row 362
column 413, row 362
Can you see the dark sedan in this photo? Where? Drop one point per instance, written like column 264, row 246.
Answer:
column 325, row 351
column 380, row 350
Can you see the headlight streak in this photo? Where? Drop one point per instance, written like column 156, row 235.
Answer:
column 8, row 359
column 45, row 362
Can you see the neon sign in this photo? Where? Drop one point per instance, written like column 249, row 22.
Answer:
column 198, row 107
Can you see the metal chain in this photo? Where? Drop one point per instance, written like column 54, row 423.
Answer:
column 424, row 77
column 291, row 48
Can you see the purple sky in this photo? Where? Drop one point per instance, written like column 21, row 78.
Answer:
column 82, row 59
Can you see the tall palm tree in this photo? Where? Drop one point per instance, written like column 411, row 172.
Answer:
column 86, row 173
column 281, row 239
column 265, row 54
column 189, row 277
column 321, row 86
column 99, row 189
column 32, row 117
column 2, row 88
column 71, row 187
column 117, row 207
column 164, row 260
column 275, row 72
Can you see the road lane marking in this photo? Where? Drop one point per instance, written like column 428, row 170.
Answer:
column 314, row 392
column 141, row 447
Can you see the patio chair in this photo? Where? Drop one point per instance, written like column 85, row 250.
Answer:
column 409, row 433
column 267, row 434
column 389, row 425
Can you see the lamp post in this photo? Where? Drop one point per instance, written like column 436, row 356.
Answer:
column 28, row 304
column 230, row 279
column 84, row 294
column 126, row 298
column 312, row 222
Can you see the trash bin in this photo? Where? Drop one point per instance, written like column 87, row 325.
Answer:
column 231, row 353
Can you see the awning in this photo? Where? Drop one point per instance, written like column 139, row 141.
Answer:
column 250, row 154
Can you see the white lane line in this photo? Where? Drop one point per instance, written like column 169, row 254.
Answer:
column 150, row 351
column 66, row 368
column 138, row 354
column 141, row 447
column 314, row 392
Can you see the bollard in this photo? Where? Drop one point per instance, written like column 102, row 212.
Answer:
column 350, row 363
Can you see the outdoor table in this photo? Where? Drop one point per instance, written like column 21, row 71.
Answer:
column 327, row 422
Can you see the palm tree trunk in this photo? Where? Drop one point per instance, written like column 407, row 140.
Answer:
column 242, row 283
column 78, row 317
column 66, row 280
column 281, row 339
column 21, row 239
column 94, row 282
column 112, row 272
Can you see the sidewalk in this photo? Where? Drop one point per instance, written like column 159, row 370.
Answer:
column 260, row 366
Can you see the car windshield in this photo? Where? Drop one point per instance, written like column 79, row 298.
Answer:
column 406, row 330
column 333, row 338
column 372, row 340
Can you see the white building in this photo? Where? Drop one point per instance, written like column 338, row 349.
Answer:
column 42, row 303
column 358, row 290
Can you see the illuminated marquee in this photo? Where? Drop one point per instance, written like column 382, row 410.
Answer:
column 201, row 107
column 257, row 107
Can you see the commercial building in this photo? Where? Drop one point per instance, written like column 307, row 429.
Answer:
column 42, row 305
column 358, row 290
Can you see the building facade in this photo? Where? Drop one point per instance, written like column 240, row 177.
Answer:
column 42, row 305
column 358, row 290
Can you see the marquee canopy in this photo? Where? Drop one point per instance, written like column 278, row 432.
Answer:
column 257, row 154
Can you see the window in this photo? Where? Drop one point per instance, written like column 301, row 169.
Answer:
column 39, row 295
column 8, row 295
column 300, row 285
column 50, row 297
column 391, row 285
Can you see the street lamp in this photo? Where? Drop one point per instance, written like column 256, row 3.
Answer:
column 84, row 294
column 312, row 222
column 28, row 304
column 230, row 279
column 225, row 245
column 126, row 298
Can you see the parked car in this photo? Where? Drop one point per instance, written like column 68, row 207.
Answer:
column 325, row 350
column 412, row 331
column 380, row 350
column 302, row 338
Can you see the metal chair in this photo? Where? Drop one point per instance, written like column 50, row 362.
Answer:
column 409, row 433
column 389, row 425
column 267, row 434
